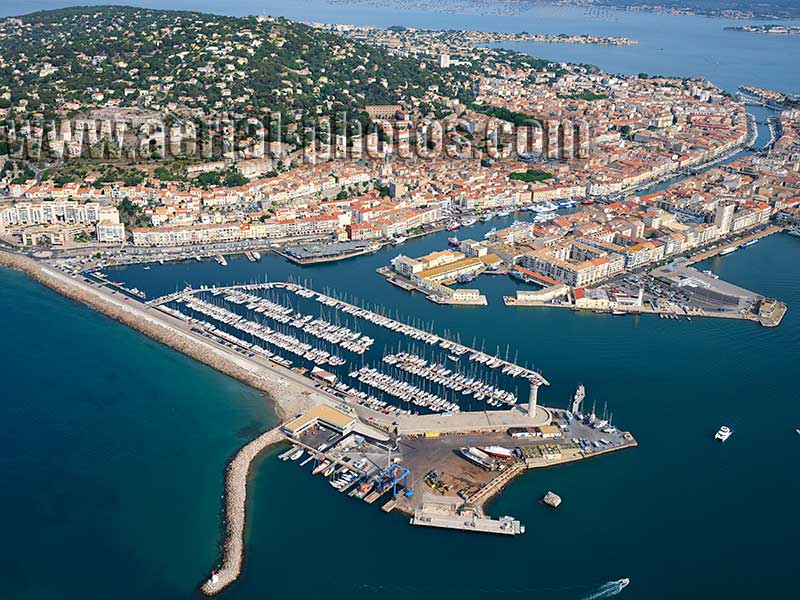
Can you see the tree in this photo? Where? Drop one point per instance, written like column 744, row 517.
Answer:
column 530, row 176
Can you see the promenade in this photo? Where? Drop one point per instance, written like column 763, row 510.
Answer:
column 701, row 256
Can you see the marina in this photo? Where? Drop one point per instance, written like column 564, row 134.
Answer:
column 144, row 409
column 277, row 320
column 376, row 451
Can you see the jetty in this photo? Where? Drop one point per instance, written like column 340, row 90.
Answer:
column 235, row 512
column 465, row 520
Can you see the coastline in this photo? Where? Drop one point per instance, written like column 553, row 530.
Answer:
column 149, row 327
column 236, row 475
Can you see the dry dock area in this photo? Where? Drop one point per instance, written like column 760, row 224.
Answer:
column 431, row 478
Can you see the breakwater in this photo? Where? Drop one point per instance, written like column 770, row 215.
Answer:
column 235, row 512
column 139, row 317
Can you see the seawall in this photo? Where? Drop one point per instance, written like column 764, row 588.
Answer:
column 235, row 512
column 135, row 315
column 138, row 319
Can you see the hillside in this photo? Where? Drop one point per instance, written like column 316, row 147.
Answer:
column 82, row 57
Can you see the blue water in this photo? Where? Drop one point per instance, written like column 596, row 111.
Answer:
column 669, row 45
column 135, row 495
column 113, row 452
column 114, row 447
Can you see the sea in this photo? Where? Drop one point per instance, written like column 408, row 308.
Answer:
column 114, row 447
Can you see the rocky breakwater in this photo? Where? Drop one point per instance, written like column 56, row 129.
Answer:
column 289, row 398
column 235, row 512
column 144, row 319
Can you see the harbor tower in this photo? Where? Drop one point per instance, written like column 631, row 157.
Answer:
column 533, row 399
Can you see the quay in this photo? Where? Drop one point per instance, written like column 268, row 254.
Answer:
column 711, row 252
column 465, row 520
column 437, row 293
column 309, row 254
column 674, row 291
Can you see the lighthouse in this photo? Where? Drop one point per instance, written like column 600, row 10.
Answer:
column 533, row 399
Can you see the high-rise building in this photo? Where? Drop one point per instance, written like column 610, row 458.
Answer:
column 723, row 216
column 444, row 61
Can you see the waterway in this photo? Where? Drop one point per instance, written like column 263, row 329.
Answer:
column 114, row 447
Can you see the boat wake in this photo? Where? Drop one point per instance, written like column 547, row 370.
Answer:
column 612, row 588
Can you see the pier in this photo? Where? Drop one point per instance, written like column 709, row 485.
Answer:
column 466, row 520
column 429, row 378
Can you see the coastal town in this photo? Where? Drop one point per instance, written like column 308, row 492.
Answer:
column 404, row 40
column 578, row 148
column 439, row 159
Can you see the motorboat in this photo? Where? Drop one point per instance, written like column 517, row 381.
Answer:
column 723, row 434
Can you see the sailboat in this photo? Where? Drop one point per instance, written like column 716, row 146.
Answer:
column 577, row 400
column 604, row 421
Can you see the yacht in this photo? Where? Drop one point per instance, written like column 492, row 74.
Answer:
column 453, row 241
column 795, row 231
column 504, row 213
column 478, row 457
column 723, row 434
column 469, row 221
column 487, row 217
column 729, row 250
column 453, row 225
column 321, row 467
column 399, row 240
column 544, row 207
column 497, row 451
